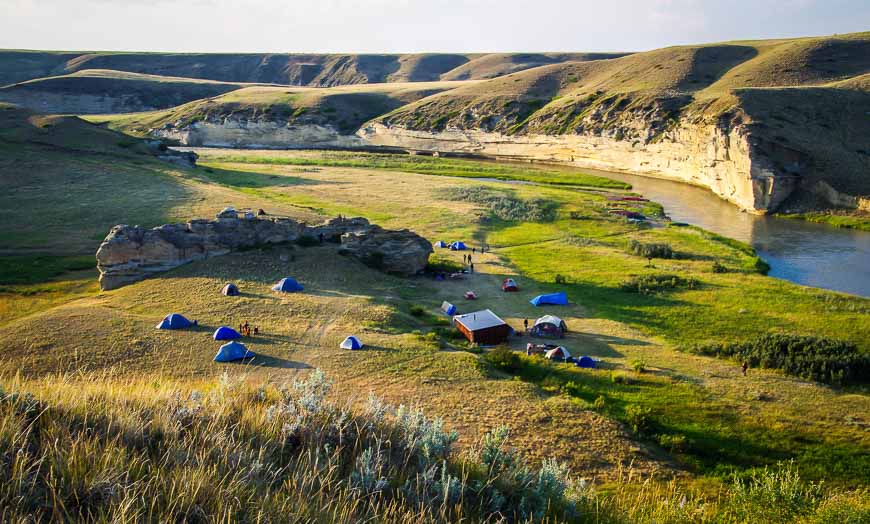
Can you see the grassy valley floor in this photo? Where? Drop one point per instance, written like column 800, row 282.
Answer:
column 648, row 407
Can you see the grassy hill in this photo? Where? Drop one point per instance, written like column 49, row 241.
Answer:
column 92, row 360
column 344, row 107
column 286, row 69
column 499, row 64
column 103, row 91
column 807, row 95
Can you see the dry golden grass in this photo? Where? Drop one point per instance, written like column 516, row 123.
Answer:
column 114, row 331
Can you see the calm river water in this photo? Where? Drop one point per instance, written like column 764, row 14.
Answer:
column 810, row 254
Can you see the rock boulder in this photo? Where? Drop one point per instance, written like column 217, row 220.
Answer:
column 402, row 252
column 131, row 253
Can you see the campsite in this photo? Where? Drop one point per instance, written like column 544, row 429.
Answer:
column 418, row 262
column 411, row 354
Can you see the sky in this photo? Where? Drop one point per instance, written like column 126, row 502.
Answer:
column 402, row 26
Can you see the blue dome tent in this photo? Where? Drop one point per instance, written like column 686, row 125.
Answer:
column 448, row 308
column 586, row 362
column 230, row 290
column 458, row 246
column 233, row 351
column 226, row 333
column 287, row 285
column 174, row 321
column 440, row 243
column 351, row 343
column 556, row 299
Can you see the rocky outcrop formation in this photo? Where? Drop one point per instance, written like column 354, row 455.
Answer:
column 403, row 252
column 252, row 134
column 132, row 253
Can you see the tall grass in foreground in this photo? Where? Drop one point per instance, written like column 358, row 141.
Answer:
column 108, row 451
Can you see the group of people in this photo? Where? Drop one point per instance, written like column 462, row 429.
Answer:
column 466, row 259
column 248, row 330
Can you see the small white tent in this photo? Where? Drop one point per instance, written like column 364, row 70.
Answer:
column 559, row 353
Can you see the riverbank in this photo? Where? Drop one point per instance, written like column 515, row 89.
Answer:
column 857, row 220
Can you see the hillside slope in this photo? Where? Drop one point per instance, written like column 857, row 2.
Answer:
column 102, row 91
column 752, row 121
column 321, row 70
column 262, row 116
column 66, row 180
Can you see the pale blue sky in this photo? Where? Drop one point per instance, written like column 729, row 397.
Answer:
column 412, row 25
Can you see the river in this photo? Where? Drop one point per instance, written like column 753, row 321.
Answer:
column 802, row 252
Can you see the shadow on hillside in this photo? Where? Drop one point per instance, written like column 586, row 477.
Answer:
column 370, row 347
column 267, row 361
column 242, row 179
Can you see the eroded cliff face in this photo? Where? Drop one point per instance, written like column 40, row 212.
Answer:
column 252, row 134
column 728, row 160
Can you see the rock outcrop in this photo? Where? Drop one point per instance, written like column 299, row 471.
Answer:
column 254, row 134
column 402, row 252
column 132, row 253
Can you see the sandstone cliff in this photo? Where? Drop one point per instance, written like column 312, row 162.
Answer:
column 755, row 122
column 132, row 253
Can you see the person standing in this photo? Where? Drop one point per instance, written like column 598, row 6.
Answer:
column 744, row 367
column 526, row 324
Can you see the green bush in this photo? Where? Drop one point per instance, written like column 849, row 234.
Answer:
column 719, row 268
column 653, row 284
column 639, row 418
column 618, row 377
column 446, row 266
column 672, row 443
column 813, row 358
column 650, row 251
column 777, row 496
column 600, row 403
column 503, row 359
column 417, row 311
column 638, row 365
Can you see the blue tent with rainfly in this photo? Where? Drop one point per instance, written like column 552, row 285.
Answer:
column 233, row 351
column 174, row 321
column 440, row 243
column 351, row 343
column 585, row 362
column 287, row 285
column 226, row 333
column 448, row 308
column 555, row 299
column 458, row 246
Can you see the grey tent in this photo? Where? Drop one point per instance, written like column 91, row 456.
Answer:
column 549, row 326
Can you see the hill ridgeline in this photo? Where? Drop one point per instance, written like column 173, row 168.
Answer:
column 768, row 125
